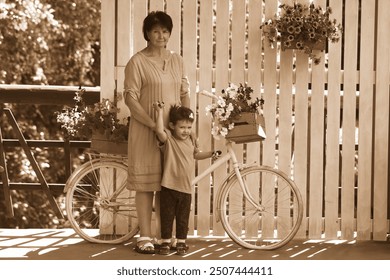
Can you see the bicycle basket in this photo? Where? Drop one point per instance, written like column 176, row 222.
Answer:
column 249, row 127
column 101, row 144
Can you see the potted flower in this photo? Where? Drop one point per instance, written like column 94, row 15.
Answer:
column 98, row 122
column 236, row 115
column 302, row 27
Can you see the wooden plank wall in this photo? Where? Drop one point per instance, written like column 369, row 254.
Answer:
column 366, row 104
column 332, row 137
column 381, row 130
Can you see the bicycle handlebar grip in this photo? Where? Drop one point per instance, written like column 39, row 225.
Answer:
column 207, row 93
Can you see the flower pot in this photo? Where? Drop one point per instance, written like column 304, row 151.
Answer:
column 249, row 127
column 317, row 45
column 101, row 144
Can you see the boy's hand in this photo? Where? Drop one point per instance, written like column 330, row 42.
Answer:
column 216, row 155
column 158, row 105
column 159, row 127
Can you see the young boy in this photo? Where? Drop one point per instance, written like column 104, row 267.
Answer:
column 180, row 151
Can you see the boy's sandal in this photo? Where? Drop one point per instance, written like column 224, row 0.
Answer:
column 164, row 248
column 181, row 248
column 144, row 246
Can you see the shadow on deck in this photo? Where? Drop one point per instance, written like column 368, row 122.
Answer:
column 65, row 244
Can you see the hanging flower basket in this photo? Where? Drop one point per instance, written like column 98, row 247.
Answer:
column 101, row 144
column 302, row 27
column 248, row 127
column 287, row 44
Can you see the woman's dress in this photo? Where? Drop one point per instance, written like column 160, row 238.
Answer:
column 148, row 83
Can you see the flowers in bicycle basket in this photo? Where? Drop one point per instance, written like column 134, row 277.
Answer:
column 228, row 107
column 81, row 120
column 302, row 27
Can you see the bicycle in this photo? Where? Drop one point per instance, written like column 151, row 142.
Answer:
column 259, row 207
column 99, row 207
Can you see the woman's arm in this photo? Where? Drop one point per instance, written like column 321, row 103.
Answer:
column 132, row 85
column 138, row 113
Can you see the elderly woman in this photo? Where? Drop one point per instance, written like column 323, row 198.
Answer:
column 152, row 74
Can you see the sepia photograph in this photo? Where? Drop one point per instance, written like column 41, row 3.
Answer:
column 195, row 138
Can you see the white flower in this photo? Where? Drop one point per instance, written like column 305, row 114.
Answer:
column 215, row 132
column 231, row 91
column 224, row 131
column 230, row 108
column 219, row 113
column 221, row 102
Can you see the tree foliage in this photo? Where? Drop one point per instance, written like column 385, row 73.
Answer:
column 50, row 42
column 54, row 42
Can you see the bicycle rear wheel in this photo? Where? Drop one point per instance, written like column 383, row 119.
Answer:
column 273, row 221
column 98, row 205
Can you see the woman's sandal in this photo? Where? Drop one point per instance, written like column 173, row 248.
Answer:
column 181, row 248
column 144, row 246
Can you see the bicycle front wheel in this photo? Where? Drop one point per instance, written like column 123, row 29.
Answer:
column 98, row 205
column 272, row 220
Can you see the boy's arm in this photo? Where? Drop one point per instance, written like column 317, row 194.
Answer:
column 203, row 155
column 159, row 129
column 199, row 155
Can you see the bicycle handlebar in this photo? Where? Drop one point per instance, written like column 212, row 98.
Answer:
column 208, row 94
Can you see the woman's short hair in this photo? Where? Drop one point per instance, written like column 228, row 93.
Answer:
column 156, row 18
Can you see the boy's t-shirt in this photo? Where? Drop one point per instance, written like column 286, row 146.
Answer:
column 178, row 163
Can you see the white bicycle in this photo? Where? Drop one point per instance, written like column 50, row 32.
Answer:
column 259, row 207
column 98, row 205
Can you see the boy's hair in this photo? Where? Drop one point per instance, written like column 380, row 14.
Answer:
column 180, row 113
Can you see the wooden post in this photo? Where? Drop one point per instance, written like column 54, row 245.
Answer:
column 4, row 177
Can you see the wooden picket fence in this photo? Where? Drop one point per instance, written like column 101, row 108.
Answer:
column 327, row 125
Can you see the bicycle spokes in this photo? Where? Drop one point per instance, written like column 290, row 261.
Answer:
column 99, row 206
column 265, row 214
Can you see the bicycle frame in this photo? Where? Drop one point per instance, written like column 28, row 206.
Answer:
column 230, row 155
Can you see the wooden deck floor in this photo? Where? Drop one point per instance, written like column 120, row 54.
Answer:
column 64, row 244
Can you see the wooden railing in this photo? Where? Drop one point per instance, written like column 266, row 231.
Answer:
column 40, row 95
